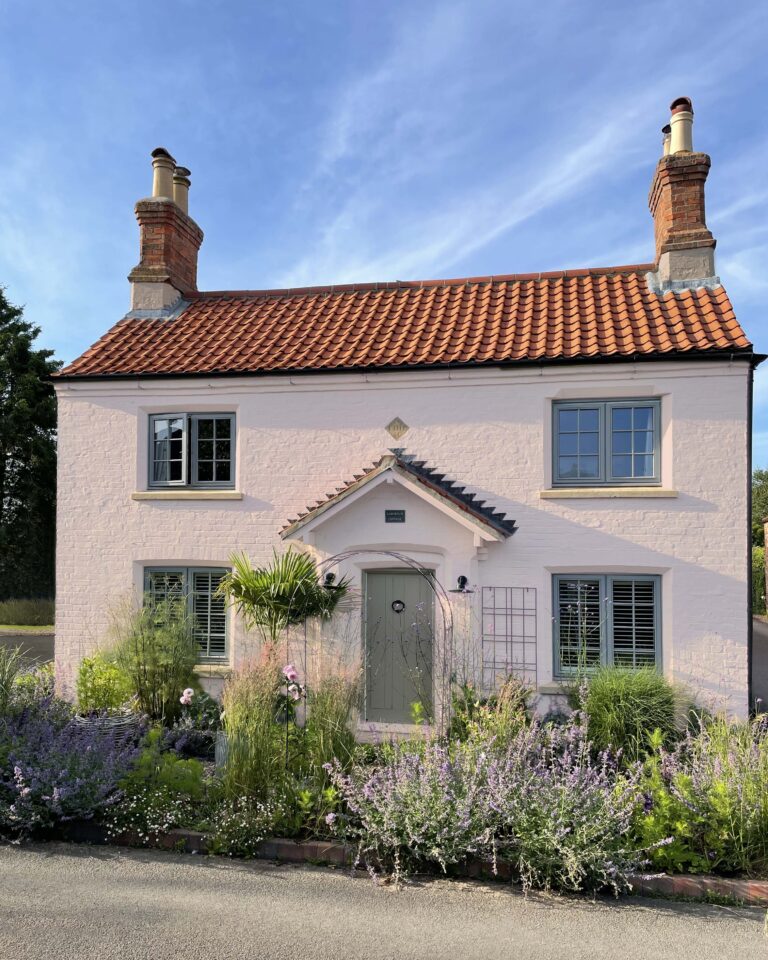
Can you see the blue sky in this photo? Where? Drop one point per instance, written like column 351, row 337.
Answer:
column 351, row 141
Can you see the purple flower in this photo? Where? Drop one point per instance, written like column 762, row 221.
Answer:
column 290, row 673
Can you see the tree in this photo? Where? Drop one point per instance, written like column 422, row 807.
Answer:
column 759, row 506
column 27, row 458
column 286, row 592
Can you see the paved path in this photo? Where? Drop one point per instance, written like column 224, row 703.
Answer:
column 37, row 647
column 62, row 902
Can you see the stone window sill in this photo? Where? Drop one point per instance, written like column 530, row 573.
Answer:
column 213, row 669
column 553, row 689
column 603, row 493
column 186, row 495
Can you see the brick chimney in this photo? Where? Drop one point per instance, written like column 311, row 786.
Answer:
column 685, row 249
column 169, row 240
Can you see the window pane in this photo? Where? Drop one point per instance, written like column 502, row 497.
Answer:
column 589, row 443
column 161, row 430
column 167, row 450
column 176, row 448
column 588, row 468
column 568, row 421
column 223, row 428
column 633, row 617
column 569, row 469
column 643, row 441
column 622, row 466
column 210, row 614
column 205, row 450
column 222, row 449
column 643, row 418
column 205, row 429
column 174, row 470
column 204, row 470
column 622, row 442
column 223, row 471
column 569, row 443
column 579, row 620
column 589, row 420
column 643, row 466
column 177, row 428
column 161, row 449
column 622, row 418
column 160, row 471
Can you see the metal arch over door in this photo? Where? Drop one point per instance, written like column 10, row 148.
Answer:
column 399, row 631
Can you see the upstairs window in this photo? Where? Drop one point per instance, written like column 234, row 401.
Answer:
column 192, row 450
column 606, row 619
column 197, row 587
column 606, row 442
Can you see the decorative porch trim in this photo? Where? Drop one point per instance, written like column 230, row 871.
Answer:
column 425, row 482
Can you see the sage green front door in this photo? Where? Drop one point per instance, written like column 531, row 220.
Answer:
column 398, row 645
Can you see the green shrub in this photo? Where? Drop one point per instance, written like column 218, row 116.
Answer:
column 27, row 613
column 499, row 716
column 34, row 685
column 256, row 741
column 101, row 684
column 157, row 651
column 237, row 829
column 328, row 734
column 624, row 706
column 707, row 800
column 758, row 580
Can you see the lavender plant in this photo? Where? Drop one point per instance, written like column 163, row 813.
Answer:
column 52, row 769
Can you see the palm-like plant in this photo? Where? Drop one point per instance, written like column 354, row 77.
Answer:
column 286, row 592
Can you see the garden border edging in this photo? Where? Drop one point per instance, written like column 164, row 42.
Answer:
column 703, row 887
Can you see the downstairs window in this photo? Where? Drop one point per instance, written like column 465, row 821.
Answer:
column 606, row 619
column 197, row 587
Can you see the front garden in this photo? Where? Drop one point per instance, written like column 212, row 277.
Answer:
column 634, row 777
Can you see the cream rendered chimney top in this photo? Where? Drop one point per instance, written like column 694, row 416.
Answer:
column 163, row 166
column 667, row 138
column 181, row 188
column 682, row 126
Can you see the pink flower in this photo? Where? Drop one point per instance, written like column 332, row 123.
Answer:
column 290, row 673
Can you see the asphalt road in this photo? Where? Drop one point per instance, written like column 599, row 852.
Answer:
column 80, row 903
column 36, row 647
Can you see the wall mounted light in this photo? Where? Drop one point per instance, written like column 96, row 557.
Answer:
column 461, row 586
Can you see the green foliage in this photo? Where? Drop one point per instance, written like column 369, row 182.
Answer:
column 758, row 580
column 27, row 458
column 707, row 801
column 328, row 734
column 499, row 716
column 237, row 828
column 11, row 665
column 157, row 651
column 33, row 685
column 163, row 770
column 759, row 506
column 101, row 684
column 256, row 741
column 284, row 593
column 624, row 706
column 27, row 613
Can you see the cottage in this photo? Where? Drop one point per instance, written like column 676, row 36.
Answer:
column 519, row 473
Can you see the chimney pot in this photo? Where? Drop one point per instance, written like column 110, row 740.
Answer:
column 181, row 188
column 163, row 166
column 682, row 126
column 667, row 136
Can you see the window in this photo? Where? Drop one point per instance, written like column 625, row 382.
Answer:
column 197, row 587
column 606, row 619
column 609, row 442
column 195, row 450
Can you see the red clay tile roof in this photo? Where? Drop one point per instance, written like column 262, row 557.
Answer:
column 575, row 314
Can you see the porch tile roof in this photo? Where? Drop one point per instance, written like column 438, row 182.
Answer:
column 429, row 478
column 570, row 315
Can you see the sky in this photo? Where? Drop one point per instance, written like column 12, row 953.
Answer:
column 333, row 142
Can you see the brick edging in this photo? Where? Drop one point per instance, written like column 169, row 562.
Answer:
column 748, row 892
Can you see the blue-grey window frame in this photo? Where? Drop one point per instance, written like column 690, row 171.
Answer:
column 605, row 477
column 189, row 463
column 187, row 574
column 606, row 624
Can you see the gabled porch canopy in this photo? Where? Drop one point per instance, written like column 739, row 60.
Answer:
column 427, row 483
